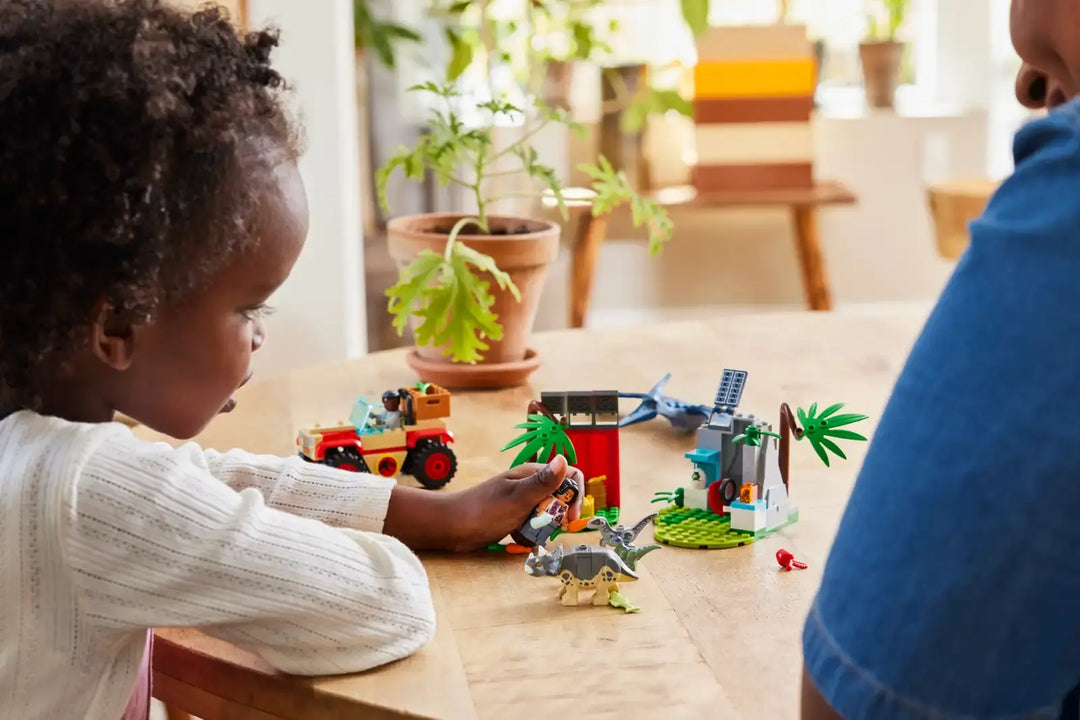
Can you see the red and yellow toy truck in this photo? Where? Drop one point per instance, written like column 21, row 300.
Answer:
column 405, row 436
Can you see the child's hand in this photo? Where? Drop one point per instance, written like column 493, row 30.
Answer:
column 480, row 516
column 487, row 513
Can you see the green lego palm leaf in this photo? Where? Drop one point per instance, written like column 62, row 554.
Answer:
column 819, row 428
column 843, row 435
column 530, row 452
column 830, row 445
column 544, row 435
column 844, row 420
column 816, row 444
column 830, row 410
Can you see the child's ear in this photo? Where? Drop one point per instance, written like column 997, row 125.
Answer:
column 112, row 339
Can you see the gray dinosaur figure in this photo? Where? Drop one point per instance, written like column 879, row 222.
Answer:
column 621, row 538
column 588, row 567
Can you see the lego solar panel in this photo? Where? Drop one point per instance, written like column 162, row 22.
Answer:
column 729, row 395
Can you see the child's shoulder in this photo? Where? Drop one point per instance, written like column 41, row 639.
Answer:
column 29, row 438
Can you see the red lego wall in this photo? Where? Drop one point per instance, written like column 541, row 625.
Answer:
column 598, row 454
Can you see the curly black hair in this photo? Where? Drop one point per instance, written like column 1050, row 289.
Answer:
column 131, row 134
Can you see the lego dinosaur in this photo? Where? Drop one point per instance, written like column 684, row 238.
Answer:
column 621, row 539
column 589, row 567
column 683, row 416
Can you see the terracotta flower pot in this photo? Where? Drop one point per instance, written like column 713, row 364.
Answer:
column 881, row 71
column 521, row 247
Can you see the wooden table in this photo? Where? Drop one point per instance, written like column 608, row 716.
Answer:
column 953, row 205
column 803, row 204
column 718, row 634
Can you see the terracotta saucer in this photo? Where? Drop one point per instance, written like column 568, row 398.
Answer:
column 455, row 376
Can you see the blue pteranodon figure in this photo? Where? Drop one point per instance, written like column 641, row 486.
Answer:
column 683, row 416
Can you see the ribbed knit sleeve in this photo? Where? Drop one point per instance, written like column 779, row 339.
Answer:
column 155, row 539
column 312, row 490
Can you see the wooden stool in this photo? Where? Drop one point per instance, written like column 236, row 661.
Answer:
column 803, row 203
column 953, row 205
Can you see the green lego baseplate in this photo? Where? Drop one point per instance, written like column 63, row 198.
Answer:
column 611, row 514
column 705, row 530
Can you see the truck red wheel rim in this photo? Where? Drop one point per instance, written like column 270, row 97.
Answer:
column 387, row 467
column 348, row 466
column 437, row 466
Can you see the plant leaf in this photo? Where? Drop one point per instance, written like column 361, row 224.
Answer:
column 411, row 292
column 461, row 54
column 696, row 15
column 613, row 189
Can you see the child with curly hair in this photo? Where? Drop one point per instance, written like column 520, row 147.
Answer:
column 151, row 204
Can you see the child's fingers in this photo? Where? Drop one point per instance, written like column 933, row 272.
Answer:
column 545, row 481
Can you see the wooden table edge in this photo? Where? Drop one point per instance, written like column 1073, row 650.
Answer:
column 246, row 687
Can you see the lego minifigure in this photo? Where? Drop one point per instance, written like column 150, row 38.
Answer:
column 551, row 514
column 391, row 412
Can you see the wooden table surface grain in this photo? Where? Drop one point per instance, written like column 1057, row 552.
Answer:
column 719, row 632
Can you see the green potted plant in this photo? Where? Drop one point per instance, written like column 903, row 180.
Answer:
column 881, row 53
column 469, row 284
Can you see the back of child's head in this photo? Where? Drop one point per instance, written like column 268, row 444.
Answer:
column 134, row 137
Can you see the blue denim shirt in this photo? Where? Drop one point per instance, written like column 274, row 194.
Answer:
column 953, row 587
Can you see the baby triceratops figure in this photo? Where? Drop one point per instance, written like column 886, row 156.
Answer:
column 584, row 566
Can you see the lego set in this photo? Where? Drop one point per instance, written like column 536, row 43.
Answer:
column 599, row 568
column 406, row 435
column 584, row 427
column 739, row 489
column 739, row 480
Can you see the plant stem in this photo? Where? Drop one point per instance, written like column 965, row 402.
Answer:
column 455, row 231
column 481, row 204
column 520, row 141
column 488, row 43
column 503, row 173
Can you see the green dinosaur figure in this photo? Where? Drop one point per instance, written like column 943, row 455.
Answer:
column 621, row 539
column 630, row 555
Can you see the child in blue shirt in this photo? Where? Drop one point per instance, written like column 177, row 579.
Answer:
column 953, row 587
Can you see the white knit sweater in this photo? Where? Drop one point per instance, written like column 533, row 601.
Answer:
column 103, row 536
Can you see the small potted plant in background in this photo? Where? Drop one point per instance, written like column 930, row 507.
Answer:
column 881, row 53
column 470, row 284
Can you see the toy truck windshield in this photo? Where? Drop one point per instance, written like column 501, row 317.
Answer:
column 360, row 414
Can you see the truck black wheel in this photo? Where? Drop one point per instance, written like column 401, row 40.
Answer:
column 345, row 458
column 432, row 463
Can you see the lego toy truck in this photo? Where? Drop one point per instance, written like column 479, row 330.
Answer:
column 418, row 447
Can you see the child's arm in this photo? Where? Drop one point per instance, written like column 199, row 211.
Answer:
column 154, row 540
column 422, row 519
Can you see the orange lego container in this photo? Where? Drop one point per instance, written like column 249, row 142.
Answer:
column 430, row 405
